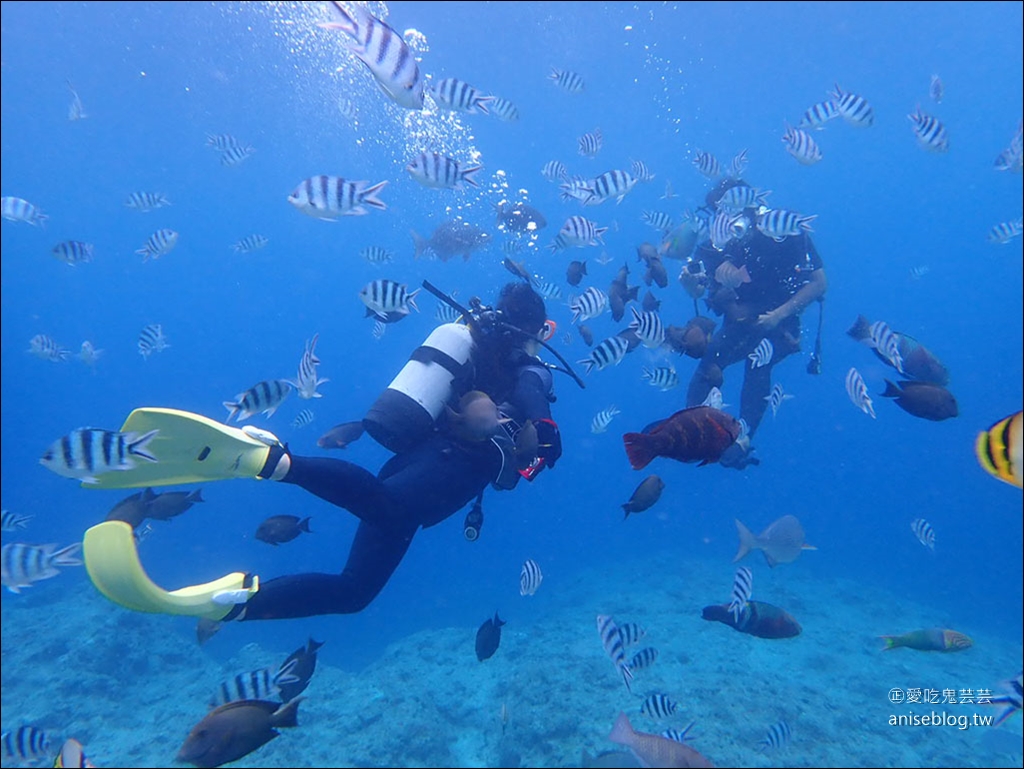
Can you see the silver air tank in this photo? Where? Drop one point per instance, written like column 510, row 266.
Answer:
column 406, row 411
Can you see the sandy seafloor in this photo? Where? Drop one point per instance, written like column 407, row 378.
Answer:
column 130, row 690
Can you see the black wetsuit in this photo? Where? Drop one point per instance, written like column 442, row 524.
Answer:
column 417, row 488
column 777, row 271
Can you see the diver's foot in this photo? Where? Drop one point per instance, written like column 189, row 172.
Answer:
column 738, row 458
column 278, row 461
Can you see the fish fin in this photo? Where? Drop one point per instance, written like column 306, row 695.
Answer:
column 638, row 450
column 137, row 445
column 287, row 714
column 304, row 525
column 890, row 642
column 891, row 390
column 195, row 496
column 747, row 541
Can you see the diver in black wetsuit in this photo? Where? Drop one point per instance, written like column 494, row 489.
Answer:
column 426, row 483
column 784, row 278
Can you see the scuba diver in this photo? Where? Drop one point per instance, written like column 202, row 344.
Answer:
column 437, row 467
column 759, row 286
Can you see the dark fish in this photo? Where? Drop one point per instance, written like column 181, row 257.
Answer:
column 586, row 334
column 235, row 730
column 656, row 273
column 305, row 664
column 163, row 507
column 918, row 361
column 518, row 269
column 488, row 637
column 646, row 252
column 698, row 434
column 756, row 618
column 340, row 436
column 921, row 399
column 646, row 494
column 691, row 339
column 453, row 238
column 935, row 639
column 618, row 297
column 651, row 303
column 631, row 337
column 781, row 542
column 282, row 528
column 520, row 217
column 574, row 272
column 132, row 509
column 207, row 629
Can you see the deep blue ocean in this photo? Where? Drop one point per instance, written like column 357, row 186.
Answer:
column 662, row 81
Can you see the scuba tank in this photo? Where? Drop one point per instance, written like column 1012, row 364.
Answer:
column 406, row 411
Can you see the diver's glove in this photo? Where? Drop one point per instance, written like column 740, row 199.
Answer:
column 738, row 458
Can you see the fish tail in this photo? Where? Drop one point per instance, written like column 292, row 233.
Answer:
column 195, row 496
column 891, row 390
column 860, row 330
column 890, row 642
column 287, row 714
column 747, row 541
column 369, row 196
column 137, row 446
column 304, row 525
column 66, row 555
column 639, row 449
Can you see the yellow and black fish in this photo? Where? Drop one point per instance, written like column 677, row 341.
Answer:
column 999, row 449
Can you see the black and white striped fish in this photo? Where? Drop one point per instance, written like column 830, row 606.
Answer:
column 328, row 197
column 578, row 232
column 602, row 419
column 658, row 220
column 19, row 210
column 930, row 132
column 738, row 164
column 530, row 577
column 302, row 419
column 146, row 201
column 12, row 521
column 611, row 184
column 611, row 641
column 725, row 227
column 152, row 339
column 454, row 94
column 679, row 735
column 377, row 255
column 887, row 342
column 550, row 290
column 801, row 146
column 776, row 397
column 924, row 532
column 632, row 633
column 610, row 352
column 742, row 196
column 263, row 397
column 383, row 296
column 26, row 744
column 662, row 377
column 554, row 170
column 648, row 327
column 858, row 392
column 306, row 380
column 576, row 188
column 505, row 110
column 589, row 304
column 641, row 172
column 935, row 89
column 658, row 706
column 234, row 156
column 87, row 452
column 590, row 143
column 742, row 587
column 762, row 354
column 250, row 243
column 777, row 737
column 262, row 684
column 379, row 329
column 46, row 348
column 158, row 244
column 382, row 50
column 1004, row 232
column 567, row 80
column 706, row 163
column 440, row 171
column 222, row 142
column 817, row 116
column 22, row 564
column 854, row 109
column 778, row 224
column 445, row 313
column 644, row 658
column 1011, row 701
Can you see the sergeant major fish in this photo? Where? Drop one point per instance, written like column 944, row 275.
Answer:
column 432, row 169
column 454, row 94
column 263, row 397
column 611, row 641
column 160, row 243
column 306, row 380
column 259, row 684
column 152, row 339
column 19, row 210
column 22, row 564
column 328, row 197
column 530, row 577
column 87, row 452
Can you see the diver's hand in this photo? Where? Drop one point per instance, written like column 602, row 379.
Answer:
column 771, row 319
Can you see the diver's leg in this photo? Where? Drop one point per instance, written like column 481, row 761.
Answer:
column 341, row 483
column 728, row 345
column 375, row 554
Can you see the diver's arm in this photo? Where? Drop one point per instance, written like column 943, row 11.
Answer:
column 811, row 291
column 530, row 397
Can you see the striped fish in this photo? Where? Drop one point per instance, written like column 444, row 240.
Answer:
column 379, row 329
column 263, row 397
column 854, row 109
column 328, row 197
column 887, row 342
column 858, row 392
column 602, row 419
column 151, row 340
column 1010, row 158
column 1012, row 700
column 742, row 196
column 383, row 296
column 550, row 290
column 589, row 304
column 776, row 397
column 1006, row 231
column 1000, row 450
column 611, row 641
column 742, row 587
column 302, row 419
column 250, row 243
column 610, row 352
column 46, row 348
column 234, row 156
column 456, row 95
column 554, row 170
column 610, row 184
column 26, row 744
column 576, row 188
column 777, row 737
column 924, row 532
column 643, row 658
column 158, row 244
column 505, row 110
column 663, row 377
column 306, row 380
column 12, row 521
column 658, row 220
column 87, row 452
column 641, row 172
column 762, row 354
column 778, row 224
column 706, row 163
column 222, row 142
column 919, row 271
column 648, row 327
column 817, row 116
column 445, row 313
column 262, row 684
column 725, row 227
column 18, row 210
column 382, row 50
column 22, row 565
column 530, row 577
column 567, row 80
column 440, row 171
column 935, row 89
column 377, row 255
column 590, row 143
column 801, row 146
column 679, row 735
column 632, row 633
column 146, row 201
column 738, row 164
column 930, row 132
column 658, row 706
column 580, row 232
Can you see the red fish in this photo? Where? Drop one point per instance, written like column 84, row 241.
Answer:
column 698, row 434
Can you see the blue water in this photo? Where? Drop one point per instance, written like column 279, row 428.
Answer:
column 661, row 82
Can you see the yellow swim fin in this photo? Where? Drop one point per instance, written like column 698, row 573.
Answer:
column 189, row 448
column 112, row 562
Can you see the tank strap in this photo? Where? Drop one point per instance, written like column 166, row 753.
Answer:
column 425, row 354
